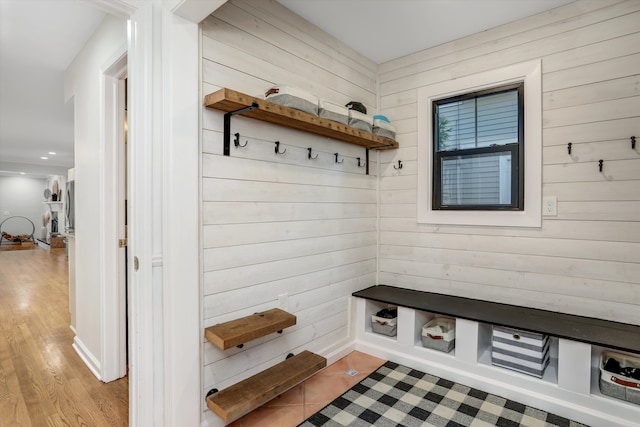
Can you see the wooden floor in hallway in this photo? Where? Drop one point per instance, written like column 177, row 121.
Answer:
column 43, row 382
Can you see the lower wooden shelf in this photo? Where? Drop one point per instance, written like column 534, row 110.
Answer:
column 240, row 398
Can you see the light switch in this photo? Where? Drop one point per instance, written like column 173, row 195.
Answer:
column 550, row 206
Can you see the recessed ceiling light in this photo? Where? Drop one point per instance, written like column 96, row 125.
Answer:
column 44, row 158
column 21, row 173
column 53, row 153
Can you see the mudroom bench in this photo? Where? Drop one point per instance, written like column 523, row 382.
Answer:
column 570, row 385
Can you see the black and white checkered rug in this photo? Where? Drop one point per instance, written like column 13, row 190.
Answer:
column 395, row 395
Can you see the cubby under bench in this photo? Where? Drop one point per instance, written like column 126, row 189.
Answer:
column 569, row 386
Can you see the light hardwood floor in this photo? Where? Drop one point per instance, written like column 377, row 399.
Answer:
column 43, row 382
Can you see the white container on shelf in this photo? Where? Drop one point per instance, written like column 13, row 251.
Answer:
column 360, row 121
column 330, row 111
column 382, row 324
column 613, row 382
column 382, row 128
column 439, row 334
column 293, row 98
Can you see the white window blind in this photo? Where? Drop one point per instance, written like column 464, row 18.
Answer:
column 469, row 175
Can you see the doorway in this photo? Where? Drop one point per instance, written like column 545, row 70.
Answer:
column 114, row 304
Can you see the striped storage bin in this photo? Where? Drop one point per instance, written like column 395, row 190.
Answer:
column 521, row 351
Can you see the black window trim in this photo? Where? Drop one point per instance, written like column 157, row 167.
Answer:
column 516, row 150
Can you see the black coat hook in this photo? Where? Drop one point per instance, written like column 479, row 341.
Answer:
column 600, row 163
column 633, row 142
column 309, row 155
column 341, row 161
column 278, row 148
column 236, row 141
column 399, row 165
column 227, row 127
column 360, row 164
column 569, row 148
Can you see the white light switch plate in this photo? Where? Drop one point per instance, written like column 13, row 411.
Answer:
column 550, row 206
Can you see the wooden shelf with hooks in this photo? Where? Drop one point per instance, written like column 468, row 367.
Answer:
column 239, row 331
column 229, row 101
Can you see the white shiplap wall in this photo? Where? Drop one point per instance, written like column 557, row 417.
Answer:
column 275, row 225
column 587, row 259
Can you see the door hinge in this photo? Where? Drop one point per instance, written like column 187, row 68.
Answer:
column 122, row 243
column 136, row 263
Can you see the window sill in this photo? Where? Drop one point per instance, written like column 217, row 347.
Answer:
column 485, row 218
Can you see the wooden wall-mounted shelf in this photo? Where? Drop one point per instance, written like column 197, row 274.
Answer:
column 239, row 331
column 240, row 398
column 228, row 100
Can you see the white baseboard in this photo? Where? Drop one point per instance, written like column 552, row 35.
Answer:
column 209, row 419
column 89, row 359
column 333, row 354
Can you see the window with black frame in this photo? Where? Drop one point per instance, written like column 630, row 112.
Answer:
column 478, row 150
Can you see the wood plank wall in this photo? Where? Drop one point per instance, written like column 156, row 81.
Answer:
column 587, row 259
column 272, row 224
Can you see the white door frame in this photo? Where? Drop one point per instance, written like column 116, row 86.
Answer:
column 165, row 331
column 113, row 296
column 165, row 327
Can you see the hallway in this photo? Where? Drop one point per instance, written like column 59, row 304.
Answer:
column 43, row 382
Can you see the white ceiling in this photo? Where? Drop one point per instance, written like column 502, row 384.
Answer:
column 40, row 38
column 383, row 30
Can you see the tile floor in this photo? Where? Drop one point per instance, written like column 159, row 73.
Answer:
column 299, row 403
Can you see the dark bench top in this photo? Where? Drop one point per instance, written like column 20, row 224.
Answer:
column 621, row 336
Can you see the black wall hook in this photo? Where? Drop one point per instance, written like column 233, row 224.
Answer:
column 278, row 148
column 226, row 151
column 236, row 141
column 399, row 165
column 309, row 155
column 360, row 164
column 341, row 161
column 569, row 148
column 600, row 163
column 633, row 142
